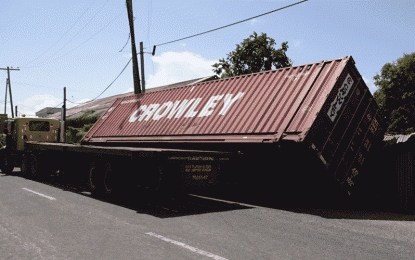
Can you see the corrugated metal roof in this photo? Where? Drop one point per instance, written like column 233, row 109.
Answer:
column 99, row 106
column 258, row 107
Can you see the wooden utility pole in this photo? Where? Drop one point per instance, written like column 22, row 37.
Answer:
column 143, row 82
column 136, row 75
column 5, row 98
column 10, row 90
column 63, row 118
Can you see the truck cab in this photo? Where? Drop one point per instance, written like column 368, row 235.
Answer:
column 18, row 131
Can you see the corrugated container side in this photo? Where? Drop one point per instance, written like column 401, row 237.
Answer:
column 260, row 107
column 323, row 83
column 344, row 143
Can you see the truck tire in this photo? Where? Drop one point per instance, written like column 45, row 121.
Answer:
column 26, row 165
column 36, row 169
column 7, row 166
column 95, row 178
column 102, row 180
column 110, row 181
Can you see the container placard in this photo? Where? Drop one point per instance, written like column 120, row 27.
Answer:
column 341, row 96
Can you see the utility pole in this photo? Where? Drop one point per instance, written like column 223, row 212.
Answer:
column 5, row 98
column 10, row 90
column 142, row 67
column 136, row 75
column 63, row 118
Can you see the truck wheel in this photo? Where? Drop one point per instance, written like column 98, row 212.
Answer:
column 7, row 166
column 102, row 180
column 26, row 165
column 108, row 181
column 36, row 169
column 94, row 178
column 34, row 166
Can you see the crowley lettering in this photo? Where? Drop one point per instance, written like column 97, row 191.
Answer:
column 184, row 108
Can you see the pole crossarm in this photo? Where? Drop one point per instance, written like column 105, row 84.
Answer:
column 8, row 84
column 8, row 69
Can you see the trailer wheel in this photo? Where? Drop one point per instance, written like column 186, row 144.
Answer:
column 34, row 165
column 109, row 180
column 26, row 165
column 94, row 178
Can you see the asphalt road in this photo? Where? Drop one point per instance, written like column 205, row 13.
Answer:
column 50, row 220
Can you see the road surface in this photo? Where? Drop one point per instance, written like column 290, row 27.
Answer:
column 53, row 221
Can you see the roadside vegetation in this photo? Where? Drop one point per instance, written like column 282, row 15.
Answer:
column 78, row 127
column 252, row 55
column 396, row 94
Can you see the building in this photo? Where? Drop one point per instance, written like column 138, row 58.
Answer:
column 47, row 111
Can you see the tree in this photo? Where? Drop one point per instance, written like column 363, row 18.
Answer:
column 254, row 54
column 396, row 94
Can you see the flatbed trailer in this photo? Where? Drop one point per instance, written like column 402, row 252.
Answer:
column 106, row 169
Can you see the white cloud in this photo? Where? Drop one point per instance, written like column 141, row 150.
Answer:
column 296, row 43
column 254, row 21
column 173, row 67
column 128, row 55
column 31, row 105
column 77, row 103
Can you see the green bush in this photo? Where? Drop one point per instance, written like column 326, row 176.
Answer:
column 78, row 127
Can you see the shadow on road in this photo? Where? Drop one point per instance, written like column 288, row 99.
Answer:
column 357, row 214
column 329, row 210
column 166, row 207
column 144, row 202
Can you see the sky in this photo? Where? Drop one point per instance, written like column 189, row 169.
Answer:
column 80, row 44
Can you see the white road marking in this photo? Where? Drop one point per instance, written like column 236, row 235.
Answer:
column 193, row 249
column 40, row 194
column 227, row 201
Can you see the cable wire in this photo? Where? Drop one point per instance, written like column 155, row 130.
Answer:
column 129, row 35
column 233, row 23
column 58, row 105
column 72, row 39
column 113, row 80
column 116, row 17
column 105, row 88
column 61, row 36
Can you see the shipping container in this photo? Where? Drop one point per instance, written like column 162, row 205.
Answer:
column 281, row 118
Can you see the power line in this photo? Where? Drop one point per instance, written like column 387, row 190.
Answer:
column 21, row 83
column 72, row 39
column 113, row 80
column 105, row 88
column 233, row 23
column 119, row 14
column 58, row 105
column 129, row 35
column 62, row 35
column 149, row 20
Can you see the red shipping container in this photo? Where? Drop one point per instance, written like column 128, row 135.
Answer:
column 326, row 106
